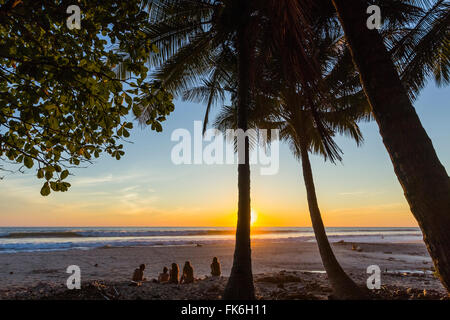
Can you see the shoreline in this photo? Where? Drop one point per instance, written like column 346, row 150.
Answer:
column 403, row 265
column 15, row 240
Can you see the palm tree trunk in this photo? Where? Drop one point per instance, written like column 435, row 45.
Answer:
column 425, row 182
column 343, row 286
column 240, row 284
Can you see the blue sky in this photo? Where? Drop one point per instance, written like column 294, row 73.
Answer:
column 146, row 188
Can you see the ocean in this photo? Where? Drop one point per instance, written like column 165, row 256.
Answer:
column 29, row 239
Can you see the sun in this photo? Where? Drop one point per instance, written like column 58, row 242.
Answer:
column 253, row 217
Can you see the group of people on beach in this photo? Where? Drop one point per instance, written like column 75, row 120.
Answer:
column 172, row 275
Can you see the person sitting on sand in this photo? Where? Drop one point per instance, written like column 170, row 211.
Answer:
column 174, row 271
column 164, row 276
column 215, row 267
column 188, row 273
column 138, row 274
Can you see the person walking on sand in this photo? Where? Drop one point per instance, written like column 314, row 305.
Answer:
column 164, row 276
column 188, row 273
column 174, row 271
column 138, row 274
column 215, row 268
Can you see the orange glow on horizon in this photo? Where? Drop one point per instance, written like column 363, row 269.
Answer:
column 395, row 215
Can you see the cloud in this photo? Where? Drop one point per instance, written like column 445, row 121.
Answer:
column 361, row 193
column 83, row 181
column 91, row 180
column 351, row 193
column 384, row 207
column 130, row 188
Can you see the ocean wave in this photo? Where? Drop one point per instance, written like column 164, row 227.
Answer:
column 87, row 244
column 58, row 246
column 41, row 235
column 176, row 233
column 111, row 234
column 52, row 239
column 162, row 232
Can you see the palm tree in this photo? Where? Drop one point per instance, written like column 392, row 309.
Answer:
column 240, row 284
column 423, row 50
column 298, row 127
column 424, row 180
column 181, row 71
column 279, row 104
column 191, row 36
column 311, row 129
column 195, row 29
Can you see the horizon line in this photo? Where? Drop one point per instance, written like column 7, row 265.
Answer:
column 105, row 226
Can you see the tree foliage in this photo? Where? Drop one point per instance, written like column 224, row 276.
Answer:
column 61, row 101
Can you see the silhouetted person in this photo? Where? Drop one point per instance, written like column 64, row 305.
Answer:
column 138, row 274
column 188, row 273
column 174, row 271
column 215, row 267
column 164, row 276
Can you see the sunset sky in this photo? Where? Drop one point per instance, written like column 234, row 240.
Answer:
column 145, row 188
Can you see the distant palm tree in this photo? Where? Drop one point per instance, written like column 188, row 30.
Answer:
column 425, row 182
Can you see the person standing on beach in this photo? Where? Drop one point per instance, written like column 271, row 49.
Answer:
column 174, row 271
column 215, row 267
column 188, row 273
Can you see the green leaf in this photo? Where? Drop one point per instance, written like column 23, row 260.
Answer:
column 54, row 186
column 62, row 87
column 28, row 162
column 64, row 174
column 158, row 126
column 48, row 175
column 45, row 191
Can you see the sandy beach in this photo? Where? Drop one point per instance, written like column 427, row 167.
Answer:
column 406, row 267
